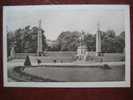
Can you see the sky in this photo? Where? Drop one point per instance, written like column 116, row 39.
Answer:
column 56, row 19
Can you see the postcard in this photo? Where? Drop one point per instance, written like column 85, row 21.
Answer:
column 66, row 46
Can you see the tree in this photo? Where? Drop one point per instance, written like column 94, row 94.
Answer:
column 10, row 41
column 90, row 42
column 120, row 42
column 112, row 43
column 27, row 61
column 68, row 41
column 108, row 39
column 39, row 61
column 110, row 33
column 19, row 40
column 26, row 39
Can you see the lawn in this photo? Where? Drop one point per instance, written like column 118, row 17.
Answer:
column 86, row 74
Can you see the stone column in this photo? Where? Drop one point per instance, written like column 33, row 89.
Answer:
column 39, row 40
column 98, row 41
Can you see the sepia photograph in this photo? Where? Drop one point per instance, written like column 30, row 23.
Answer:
column 66, row 46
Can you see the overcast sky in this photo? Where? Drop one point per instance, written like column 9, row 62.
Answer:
column 58, row 19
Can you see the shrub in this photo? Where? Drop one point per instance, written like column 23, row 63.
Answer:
column 106, row 66
column 27, row 61
column 39, row 61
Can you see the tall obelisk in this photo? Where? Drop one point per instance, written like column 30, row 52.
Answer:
column 39, row 40
column 98, row 41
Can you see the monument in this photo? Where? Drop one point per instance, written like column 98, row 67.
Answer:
column 82, row 49
column 12, row 52
column 98, row 41
column 39, row 40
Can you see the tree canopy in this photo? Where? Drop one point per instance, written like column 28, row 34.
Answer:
column 69, row 41
column 26, row 41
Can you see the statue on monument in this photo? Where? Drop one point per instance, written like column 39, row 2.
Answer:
column 82, row 49
column 12, row 51
column 81, row 38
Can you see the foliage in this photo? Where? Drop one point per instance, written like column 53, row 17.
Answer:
column 10, row 41
column 90, row 41
column 113, row 43
column 68, row 41
column 25, row 40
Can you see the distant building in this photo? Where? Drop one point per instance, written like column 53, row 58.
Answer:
column 51, row 43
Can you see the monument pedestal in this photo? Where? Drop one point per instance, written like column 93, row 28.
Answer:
column 99, row 54
column 82, row 53
column 12, row 52
column 40, row 54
